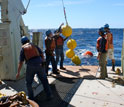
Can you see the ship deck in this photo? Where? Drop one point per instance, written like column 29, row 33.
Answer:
column 75, row 86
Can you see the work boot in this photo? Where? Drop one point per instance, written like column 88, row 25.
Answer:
column 62, row 68
column 113, row 67
column 56, row 72
column 101, row 77
column 106, row 76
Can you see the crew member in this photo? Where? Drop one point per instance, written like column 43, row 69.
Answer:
column 34, row 60
column 59, row 40
column 102, row 53
column 110, row 53
column 50, row 47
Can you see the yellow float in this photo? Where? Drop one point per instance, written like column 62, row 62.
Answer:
column 76, row 60
column 1, row 95
column 66, row 31
column 70, row 53
column 71, row 44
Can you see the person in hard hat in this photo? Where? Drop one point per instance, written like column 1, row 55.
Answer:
column 59, row 41
column 50, row 48
column 33, row 56
column 110, row 53
column 102, row 53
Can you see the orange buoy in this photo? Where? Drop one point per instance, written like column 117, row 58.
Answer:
column 88, row 53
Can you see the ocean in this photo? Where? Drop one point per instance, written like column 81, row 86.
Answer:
column 86, row 41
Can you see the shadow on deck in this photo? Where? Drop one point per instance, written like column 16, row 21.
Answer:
column 63, row 86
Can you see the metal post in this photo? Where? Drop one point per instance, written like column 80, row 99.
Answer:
column 122, row 55
column 37, row 39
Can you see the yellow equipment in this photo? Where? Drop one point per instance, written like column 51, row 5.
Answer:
column 22, row 94
column 71, row 44
column 66, row 31
column 76, row 60
column 118, row 71
column 70, row 53
column 1, row 95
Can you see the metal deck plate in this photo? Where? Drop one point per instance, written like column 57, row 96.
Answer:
column 63, row 90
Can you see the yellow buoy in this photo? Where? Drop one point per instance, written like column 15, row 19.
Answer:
column 70, row 53
column 66, row 31
column 71, row 44
column 76, row 60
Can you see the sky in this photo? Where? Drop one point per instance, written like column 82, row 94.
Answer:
column 80, row 13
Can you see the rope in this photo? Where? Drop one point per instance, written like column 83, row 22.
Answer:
column 64, row 12
column 24, row 11
column 28, row 5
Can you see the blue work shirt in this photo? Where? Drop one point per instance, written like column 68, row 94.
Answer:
column 33, row 61
column 103, row 42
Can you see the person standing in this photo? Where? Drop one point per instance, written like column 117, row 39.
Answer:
column 110, row 53
column 102, row 53
column 59, row 41
column 34, row 60
column 50, row 47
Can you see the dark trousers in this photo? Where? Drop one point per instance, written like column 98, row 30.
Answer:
column 50, row 58
column 30, row 73
column 59, row 53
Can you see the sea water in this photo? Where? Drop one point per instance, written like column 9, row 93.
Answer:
column 86, row 41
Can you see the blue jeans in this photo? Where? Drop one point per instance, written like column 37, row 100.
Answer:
column 59, row 53
column 50, row 58
column 40, row 71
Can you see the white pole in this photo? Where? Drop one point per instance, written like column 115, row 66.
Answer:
column 122, row 55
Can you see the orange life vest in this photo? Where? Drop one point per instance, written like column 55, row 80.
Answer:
column 52, row 47
column 98, row 43
column 59, row 41
column 30, row 51
column 50, row 44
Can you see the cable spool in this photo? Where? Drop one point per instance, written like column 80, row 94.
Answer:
column 70, row 53
column 71, row 44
